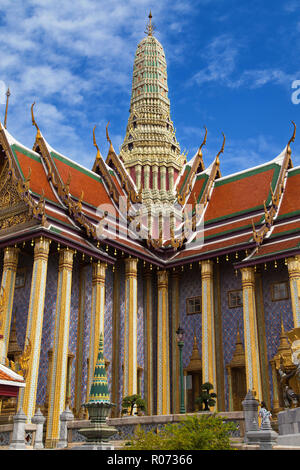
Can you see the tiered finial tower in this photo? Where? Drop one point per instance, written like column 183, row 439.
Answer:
column 150, row 150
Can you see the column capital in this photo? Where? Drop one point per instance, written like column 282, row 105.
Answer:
column 98, row 271
column 293, row 264
column 162, row 278
column 207, row 268
column 41, row 248
column 10, row 261
column 248, row 276
column 131, row 267
column 66, row 259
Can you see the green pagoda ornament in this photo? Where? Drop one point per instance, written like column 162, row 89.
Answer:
column 99, row 407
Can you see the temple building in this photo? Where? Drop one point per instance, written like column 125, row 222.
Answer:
column 133, row 247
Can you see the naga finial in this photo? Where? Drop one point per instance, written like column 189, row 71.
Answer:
column 203, row 143
column 34, row 122
column 107, row 136
column 95, row 144
column 221, row 151
column 292, row 139
column 6, row 107
column 150, row 27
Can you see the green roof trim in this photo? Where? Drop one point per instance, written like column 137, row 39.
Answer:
column 205, row 177
column 278, row 251
column 54, row 229
column 286, row 232
column 15, row 147
column 188, row 170
column 244, row 227
column 74, row 165
column 246, row 174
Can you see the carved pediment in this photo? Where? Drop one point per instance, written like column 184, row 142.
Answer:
column 13, row 210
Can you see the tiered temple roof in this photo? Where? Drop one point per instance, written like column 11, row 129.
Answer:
column 253, row 214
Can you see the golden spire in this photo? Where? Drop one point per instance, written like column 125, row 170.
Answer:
column 150, row 27
column 6, row 108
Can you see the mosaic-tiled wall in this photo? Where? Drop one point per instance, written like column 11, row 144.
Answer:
column 122, row 327
column 231, row 317
column 190, row 286
column 108, row 321
column 274, row 311
column 140, row 325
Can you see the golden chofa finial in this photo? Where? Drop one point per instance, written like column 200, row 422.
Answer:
column 34, row 123
column 98, row 156
column 292, row 139
column 150, row 27
column 221, row 151
column 6, row 107
column 203, row 143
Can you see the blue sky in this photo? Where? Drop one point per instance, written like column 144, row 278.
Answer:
column 231, row 65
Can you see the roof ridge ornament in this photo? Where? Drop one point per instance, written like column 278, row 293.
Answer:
column 150, row 27
column 98, row 156
column 34, row 122
column 6, row 107
column 203, row 142
column 292, row 139
column 221, row 151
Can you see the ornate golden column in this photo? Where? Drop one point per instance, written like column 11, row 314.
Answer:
column 97, row 316
column 163, row 366
column 27, row 397
column 115, row 398
column 130, row 332
column 148, row 338
column 208, row 325
column 294, row 276
column 253, row 374
column 7, row 292
column 175, row 350
column 80, row 335
column 57, row 393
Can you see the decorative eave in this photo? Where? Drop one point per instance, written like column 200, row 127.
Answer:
column 197, row 167
column 101, row 169
column 113, row 161
column 270, row 213
column 36, row 207
column 74, row 207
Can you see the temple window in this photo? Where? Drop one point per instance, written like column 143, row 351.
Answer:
column 235, row 298
column 193, row 305
column 280, row 291
column 130, row 146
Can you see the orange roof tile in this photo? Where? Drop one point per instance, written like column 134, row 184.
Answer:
column 241, row 193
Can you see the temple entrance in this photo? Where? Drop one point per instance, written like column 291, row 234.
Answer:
column 193, row 377
column 193, row 385
column 236, row 375
column 239, row 387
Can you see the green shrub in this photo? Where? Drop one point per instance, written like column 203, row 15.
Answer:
column 132, row 401
column 207, row 432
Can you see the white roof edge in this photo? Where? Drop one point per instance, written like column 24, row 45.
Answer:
column 278, row 160
column 11, row 373
column 11, row 140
